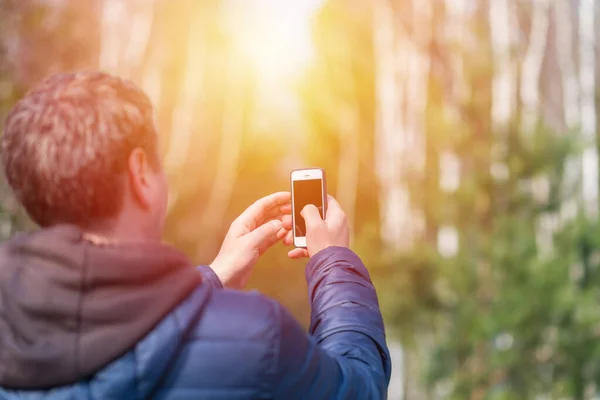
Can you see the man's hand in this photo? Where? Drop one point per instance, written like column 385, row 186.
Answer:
column 320, row 234
column 258, row 228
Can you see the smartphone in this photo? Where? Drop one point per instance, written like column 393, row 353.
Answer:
column 308, row 187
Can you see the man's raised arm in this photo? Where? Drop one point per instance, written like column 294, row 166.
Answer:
column 345, row 355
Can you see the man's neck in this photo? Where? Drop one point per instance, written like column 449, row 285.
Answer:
column 120, row 233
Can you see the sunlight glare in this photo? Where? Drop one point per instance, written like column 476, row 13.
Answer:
column 273, row 37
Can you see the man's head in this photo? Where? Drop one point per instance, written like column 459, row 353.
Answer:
column 83, row 149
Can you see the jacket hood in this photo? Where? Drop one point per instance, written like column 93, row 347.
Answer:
column 69, row 307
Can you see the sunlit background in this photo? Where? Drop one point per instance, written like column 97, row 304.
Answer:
column 460, row 136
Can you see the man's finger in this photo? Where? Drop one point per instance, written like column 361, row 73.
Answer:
column 333, row 205
column 286, row 220
column 266, row 203
column 271, row 240
column 269, row 232
column 288, row 240
column 253, row 215
column 298, row 253
column 276, row 212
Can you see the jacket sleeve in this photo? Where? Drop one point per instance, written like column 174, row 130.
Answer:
column 209, row 276
column 345, row 355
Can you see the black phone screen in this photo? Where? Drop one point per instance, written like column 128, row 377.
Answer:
column 306, row 192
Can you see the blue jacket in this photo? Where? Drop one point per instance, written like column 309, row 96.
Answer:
column 225, row 344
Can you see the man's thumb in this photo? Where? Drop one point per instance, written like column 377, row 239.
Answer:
column 311, row 216
column 265, row 232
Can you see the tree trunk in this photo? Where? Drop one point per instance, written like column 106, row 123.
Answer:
column 570, row 92
column 349, row 159
column 110, row 46
column 229, row 153
column 140, row 26
column 402, row 73
column 501, row 22
column 349, row 163
column 401, row 86
column 532, row 65
column 151, row 75
column 588, row 118
column 564, row 54
column 530, row 107
column 394, row 209
column 184, row 111
column 125, row 34
column 394, row 206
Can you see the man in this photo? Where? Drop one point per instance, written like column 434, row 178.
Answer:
column 93, row 306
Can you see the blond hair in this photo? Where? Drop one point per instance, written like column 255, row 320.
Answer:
column 66, row 144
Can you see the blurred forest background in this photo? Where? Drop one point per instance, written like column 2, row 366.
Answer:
column 460, row 136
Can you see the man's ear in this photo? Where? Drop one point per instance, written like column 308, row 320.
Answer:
column 140, row 177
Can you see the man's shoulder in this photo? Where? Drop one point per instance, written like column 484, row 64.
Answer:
column 230, row 346
column 236, row 315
